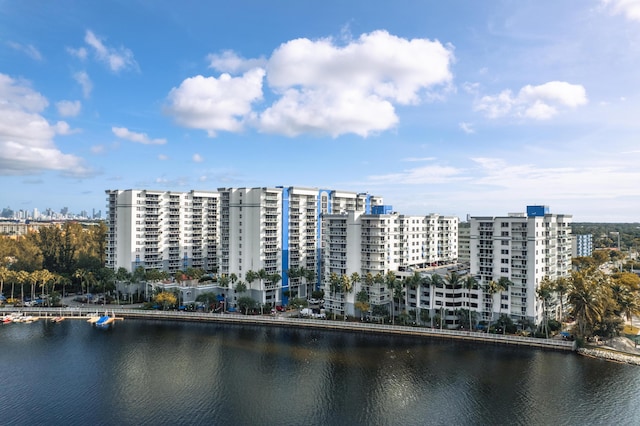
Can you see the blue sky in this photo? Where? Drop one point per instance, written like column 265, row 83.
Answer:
column 457, row 107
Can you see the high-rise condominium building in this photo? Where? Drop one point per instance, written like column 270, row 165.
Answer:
column 381, row 242
column 162, row 230
column 273, row 231
column 524, row 248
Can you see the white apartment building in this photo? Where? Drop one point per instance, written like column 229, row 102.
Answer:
column 162, row 230
column 524, row 248
column 231, row 231
column 378, row 243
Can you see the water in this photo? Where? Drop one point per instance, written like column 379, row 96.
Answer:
column 161, row 373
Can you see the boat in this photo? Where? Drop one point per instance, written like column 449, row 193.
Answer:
column 57, row 319
column 104, row 321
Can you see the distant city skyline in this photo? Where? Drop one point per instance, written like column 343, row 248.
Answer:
column 466, row 107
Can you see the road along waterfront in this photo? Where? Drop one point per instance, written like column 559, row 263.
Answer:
column 287, row 321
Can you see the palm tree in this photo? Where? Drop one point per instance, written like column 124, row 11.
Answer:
column 544, row 294
column 412, row 283
column 390, row 281
column 355, row 279
column 362, row 302
column 250, row 276
column 22, row 277
column 45, row 278
column 309, row 277
column 334, row 287
column 491, row 288
column 503, row 285
column 586, row 299
column 469, row 283
column 263, row 275
column 4, row 275
column 223, row 281
column 560, row 286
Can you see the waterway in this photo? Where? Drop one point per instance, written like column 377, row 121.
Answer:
column 161, row 372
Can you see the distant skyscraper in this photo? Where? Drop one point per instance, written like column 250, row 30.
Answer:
column 582, row 245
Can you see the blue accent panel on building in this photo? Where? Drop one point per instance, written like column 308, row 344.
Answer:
column 285, row 244
column 537, row 211
column 367, row 204
column 383, row 209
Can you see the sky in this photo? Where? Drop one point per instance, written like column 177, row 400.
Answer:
column 457, row 108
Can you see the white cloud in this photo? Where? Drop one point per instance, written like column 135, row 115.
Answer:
column 82, row 78
column 124, row 133
column 538, row 102
column 26, row 137
column 467, row 127
column 117, row 59
column 321, row 87
column 629, row 8
column 429, row 174
column 215, row 104
column 163, row 157
column 68, row 108
column 197, row 158
column 80, row 53
column 29, row 49
column 228, row 61
column 98, row 149
column 334, row 90
column 539, row 182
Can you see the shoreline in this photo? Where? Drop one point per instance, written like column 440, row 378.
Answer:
column 285, row 321
column 611, row 355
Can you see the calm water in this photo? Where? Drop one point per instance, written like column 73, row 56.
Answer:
column 178, row 373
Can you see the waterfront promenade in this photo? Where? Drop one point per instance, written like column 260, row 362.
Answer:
column 288, row 321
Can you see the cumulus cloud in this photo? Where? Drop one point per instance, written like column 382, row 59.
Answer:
column 68, row 108
column 215, row 104
column 629, row 8
column 197, row 158
column 537, row 102
column 82, row 78
column 26, row 137
column 28, row 49
column 124, row 133
column 117, row 59
column 334, row 90
column 321, row 87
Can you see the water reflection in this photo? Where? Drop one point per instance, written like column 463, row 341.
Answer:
column 164, row 373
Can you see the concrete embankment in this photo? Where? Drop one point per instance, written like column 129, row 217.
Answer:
column 285, row 321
